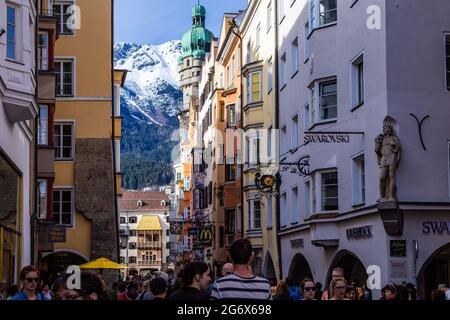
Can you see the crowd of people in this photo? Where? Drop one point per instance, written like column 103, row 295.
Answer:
column 196, row 282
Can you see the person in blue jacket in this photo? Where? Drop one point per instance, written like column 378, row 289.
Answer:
column 29, row 277
column 294, row 289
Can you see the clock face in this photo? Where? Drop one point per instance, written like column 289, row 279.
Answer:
column 268, row 181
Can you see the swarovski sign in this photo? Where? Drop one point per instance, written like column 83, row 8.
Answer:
column 436, row 227
column 326, row 138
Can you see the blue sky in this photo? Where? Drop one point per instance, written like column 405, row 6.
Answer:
column 158, row 21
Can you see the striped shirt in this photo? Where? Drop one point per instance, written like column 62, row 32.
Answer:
column 236, row 287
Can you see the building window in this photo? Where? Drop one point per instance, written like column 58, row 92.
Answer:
column 132, row 220
column 11, row 33
column 233, row 67
column 230, row 172
column 282, row 10
column 63, row 138
column 64, row 12
column 283, row 70
column 132, row 245
column 269, row 16
column 248, row 53
column 322, row 12
column 357, row 79
column 123, row 220
column 231, row 115
column 307, row 203
column 269, row 209
column 239, row 106
column 228, row 77
column 307, row 119
column 133, row 233
column 42, row 199
column 269, row 75
column 283, row 144
column 256, row 214
column 43, row 50
column 283, row 211
column 222, row 111
column 64, row 78
column 230, row 221
column 187, row 183
column 254, row 87
column 306, row 43
column 253, row 146
column 447, row 53
column 294, row 56
column 294, row 205
column 132, row 260
column 258, row 36
column 328, row 100
column 294, row 132
column 358, row 177
column 329, row 191
column 43, row 125
column 62, row 207
column 270, row 132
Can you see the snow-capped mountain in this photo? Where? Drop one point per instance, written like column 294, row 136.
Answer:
column 149, row 104
column 151, row 91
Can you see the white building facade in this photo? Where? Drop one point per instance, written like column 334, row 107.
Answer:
column 18, row 109
column 346, row 68
column 145, row 231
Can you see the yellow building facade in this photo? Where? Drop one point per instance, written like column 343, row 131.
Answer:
column 87, row 132
column 259, row 53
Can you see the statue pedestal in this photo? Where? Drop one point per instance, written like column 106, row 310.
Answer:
column 392, row 217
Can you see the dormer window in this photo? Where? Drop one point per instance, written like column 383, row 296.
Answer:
column 163, row 203
column 139, row 204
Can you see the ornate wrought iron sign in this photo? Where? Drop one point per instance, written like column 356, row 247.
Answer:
column 301, row 166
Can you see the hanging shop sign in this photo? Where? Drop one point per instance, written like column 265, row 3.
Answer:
column 329, row 137
column 359, row 233
column 297, row 243
column 203, row 238
column 397, row 248
column 176, row 227
column 436, row 227
column 56, row 233
column 399, row 269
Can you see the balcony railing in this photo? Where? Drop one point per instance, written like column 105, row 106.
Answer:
column 149, row 244
column 49, row 13
column 149, row 263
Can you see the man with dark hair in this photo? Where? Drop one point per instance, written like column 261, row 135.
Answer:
column 194, row 282
column 242, row 284
column 158, row 287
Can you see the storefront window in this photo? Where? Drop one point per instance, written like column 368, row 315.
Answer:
column 9, row 222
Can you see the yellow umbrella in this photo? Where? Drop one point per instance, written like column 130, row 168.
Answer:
column 102, row 263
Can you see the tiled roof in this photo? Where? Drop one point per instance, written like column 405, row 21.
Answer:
column 150, row 200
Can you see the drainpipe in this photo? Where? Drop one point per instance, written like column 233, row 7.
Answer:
column 113, row 135
column 277, row 127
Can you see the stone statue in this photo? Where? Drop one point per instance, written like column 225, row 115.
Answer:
column 388, row 150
